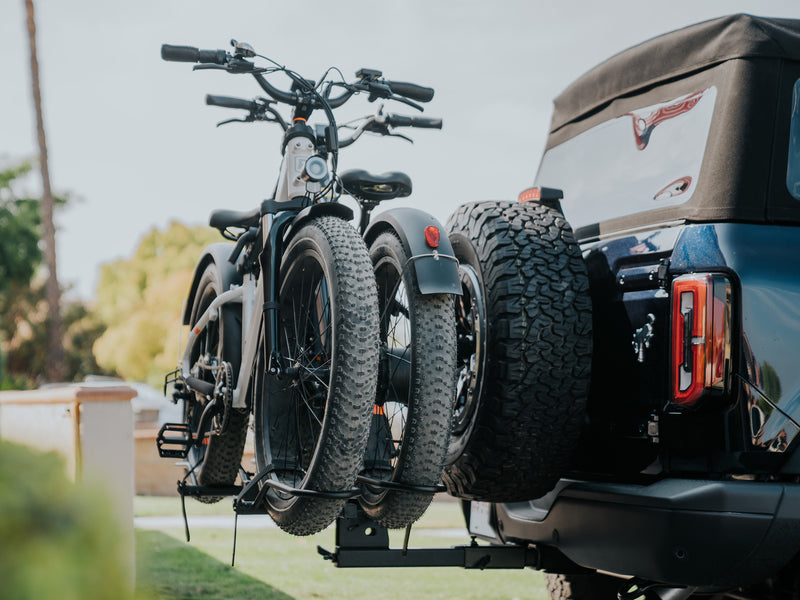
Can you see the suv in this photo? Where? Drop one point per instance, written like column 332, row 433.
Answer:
column 629, row 336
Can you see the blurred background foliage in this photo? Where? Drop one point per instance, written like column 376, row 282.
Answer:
column 57, row 539
column 130, row 330
column 139, row 301
column 23, row 326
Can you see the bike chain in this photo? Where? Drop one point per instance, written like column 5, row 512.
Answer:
column 223, row 393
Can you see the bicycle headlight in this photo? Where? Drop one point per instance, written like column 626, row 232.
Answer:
column 315, row 169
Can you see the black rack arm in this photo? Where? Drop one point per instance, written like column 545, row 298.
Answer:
column 363, row 543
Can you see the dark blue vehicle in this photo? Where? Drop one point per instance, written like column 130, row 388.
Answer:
column 629, row 398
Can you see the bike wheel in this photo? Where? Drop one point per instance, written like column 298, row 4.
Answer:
column 411, row 417
column 216, row 462
column 470, row 310
column 312, row 407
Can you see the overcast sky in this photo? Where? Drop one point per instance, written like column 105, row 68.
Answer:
column 132, row 142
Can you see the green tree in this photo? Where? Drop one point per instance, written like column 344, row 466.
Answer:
column 24, row 311
column 20, row 256
column 139, row 300
column 19, row 223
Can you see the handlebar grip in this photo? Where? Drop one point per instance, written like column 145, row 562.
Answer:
column 179, row 53
column 422, row 122
column 215, row 57
column 411, row 90
column 193, row 55
column 229, row 102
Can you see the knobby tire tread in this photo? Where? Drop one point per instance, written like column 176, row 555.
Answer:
column 343, row 440
column 539, row 347
column 426, row 434
column 223, row 454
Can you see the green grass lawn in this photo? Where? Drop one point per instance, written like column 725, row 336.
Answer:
column 272, row 565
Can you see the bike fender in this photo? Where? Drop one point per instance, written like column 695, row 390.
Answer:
column 333, row 209
column 215, row 253
column 436, row 269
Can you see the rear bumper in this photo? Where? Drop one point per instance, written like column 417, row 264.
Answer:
column 708, row 534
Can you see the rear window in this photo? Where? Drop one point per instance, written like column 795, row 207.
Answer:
column 793, row 168
column 645, row 159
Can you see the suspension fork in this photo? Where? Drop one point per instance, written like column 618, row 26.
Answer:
column 271, row 269
column 263, row 315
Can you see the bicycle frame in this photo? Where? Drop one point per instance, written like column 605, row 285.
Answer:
column 289, row 338
column 296, row 198
column 250, row 293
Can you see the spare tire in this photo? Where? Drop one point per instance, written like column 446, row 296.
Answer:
column 524, row 330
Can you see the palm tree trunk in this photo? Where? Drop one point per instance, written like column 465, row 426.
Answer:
column 55, row 346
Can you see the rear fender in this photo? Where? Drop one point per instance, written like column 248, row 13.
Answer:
column 436, row 268
column 218, row 254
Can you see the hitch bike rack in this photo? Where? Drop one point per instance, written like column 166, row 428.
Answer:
column 363, row 543
column 360, row 542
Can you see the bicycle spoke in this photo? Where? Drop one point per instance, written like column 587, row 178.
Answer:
column 306, row 329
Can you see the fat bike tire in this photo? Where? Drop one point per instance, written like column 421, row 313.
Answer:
column 411, row 417
column 312, row 408
column 216, row 462
column 525, row 347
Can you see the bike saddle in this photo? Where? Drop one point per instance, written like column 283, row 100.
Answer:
column 366, row 186
column 222, row 219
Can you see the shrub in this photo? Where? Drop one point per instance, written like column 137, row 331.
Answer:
column 57, row 539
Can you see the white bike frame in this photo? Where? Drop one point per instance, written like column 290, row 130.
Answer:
column 250, row 293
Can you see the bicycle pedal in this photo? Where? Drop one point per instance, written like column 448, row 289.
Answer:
column 174, row 440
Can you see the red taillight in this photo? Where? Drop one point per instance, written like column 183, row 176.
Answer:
column 701, row 322
column 432, row 236
column 544, row 195
column 530, row 194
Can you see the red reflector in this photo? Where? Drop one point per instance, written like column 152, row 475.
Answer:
column 533, row 193
column 432, row 236
column 701, row 316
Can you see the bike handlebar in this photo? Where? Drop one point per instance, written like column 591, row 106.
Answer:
column 229, row 102
column 411, row 90
column 193, row 55
column 422, row 122
column 276, row 93
column 378, row 88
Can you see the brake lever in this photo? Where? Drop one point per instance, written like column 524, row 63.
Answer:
column 400, row 135
column 383, row 129
column 378, row 90
column 249, row 119
column 377, row 127
column 240, row 65
column 234, row 65
column 406, row 101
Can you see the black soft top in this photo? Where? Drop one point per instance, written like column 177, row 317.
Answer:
column 675, row 55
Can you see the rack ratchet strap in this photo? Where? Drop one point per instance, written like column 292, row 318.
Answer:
column 400, row 487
